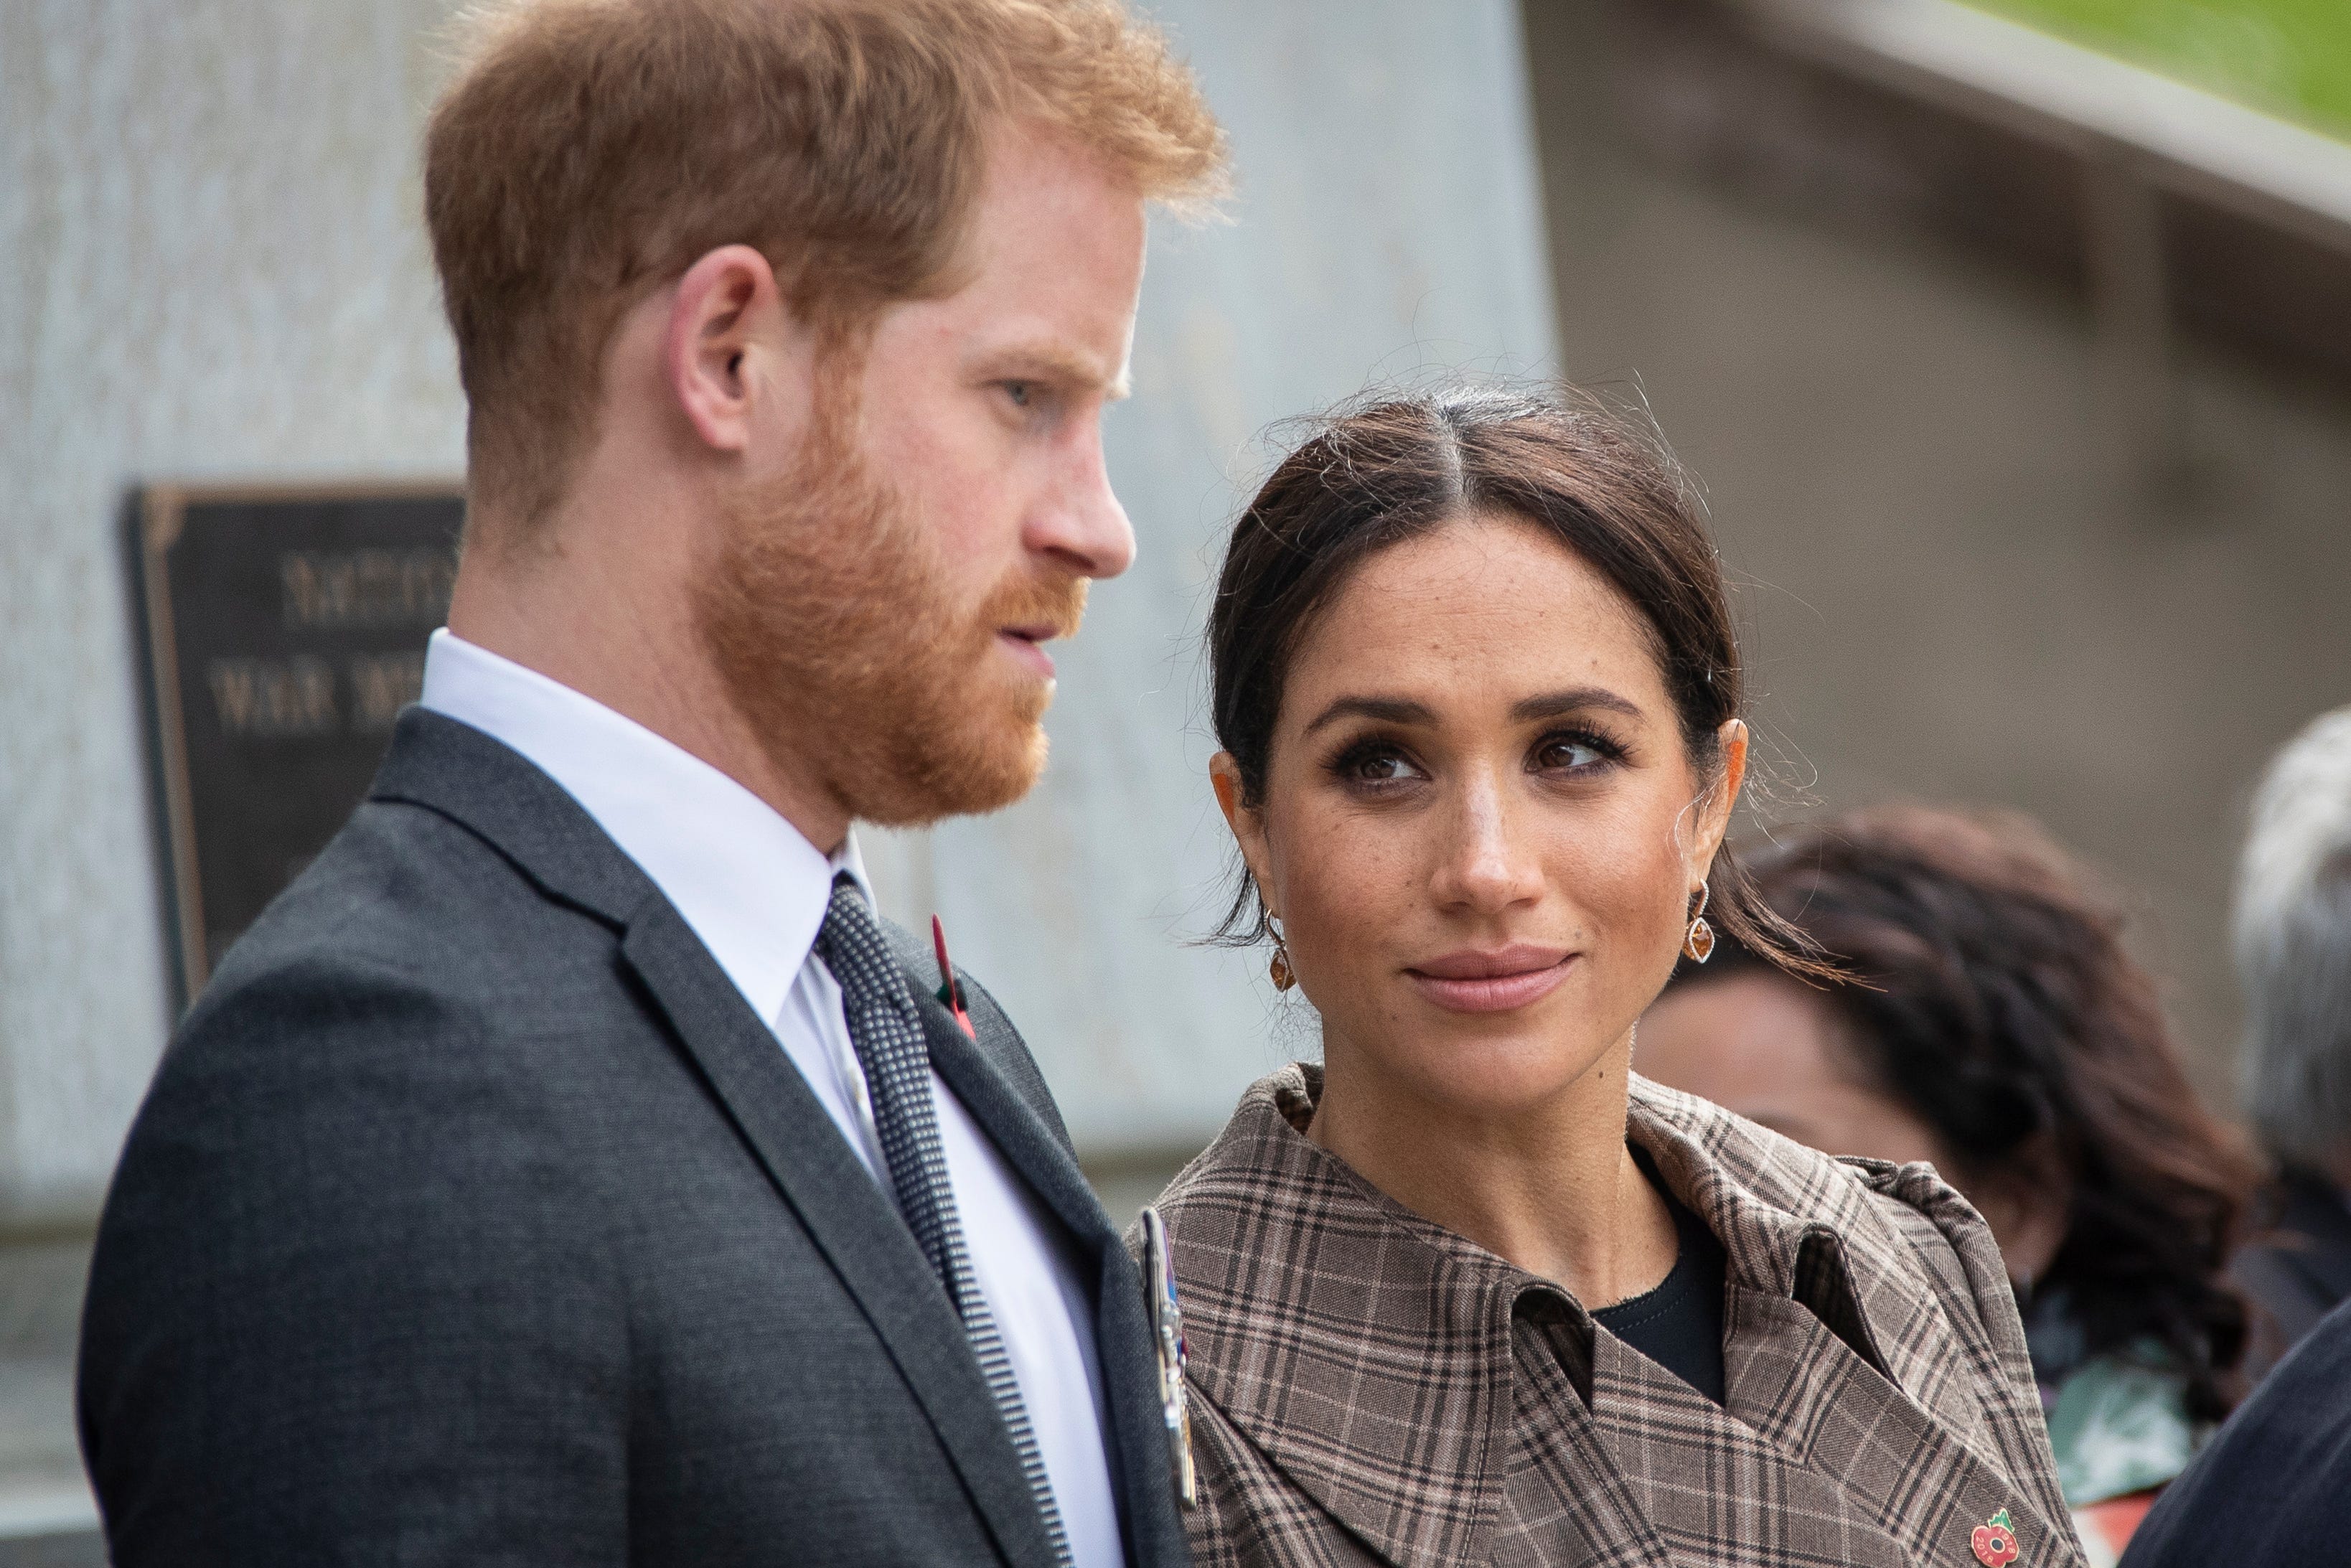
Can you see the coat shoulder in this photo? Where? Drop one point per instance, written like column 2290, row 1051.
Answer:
column 1871, row 1201
column 1925, row 1271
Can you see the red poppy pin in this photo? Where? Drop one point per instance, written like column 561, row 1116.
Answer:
column 950, row 993
column 1995, row 1542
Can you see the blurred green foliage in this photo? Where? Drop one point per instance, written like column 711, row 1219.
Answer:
column 2290, row 57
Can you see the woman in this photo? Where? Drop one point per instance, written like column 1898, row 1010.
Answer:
column 1994, row 1027
column 1466, row 1291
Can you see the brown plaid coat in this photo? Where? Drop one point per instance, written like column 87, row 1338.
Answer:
column 1368, row 1388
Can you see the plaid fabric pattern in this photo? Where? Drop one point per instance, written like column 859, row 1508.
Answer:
column 888, row 1034
column 1372, row 1388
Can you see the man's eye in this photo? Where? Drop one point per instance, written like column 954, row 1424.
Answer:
column 1022, row 393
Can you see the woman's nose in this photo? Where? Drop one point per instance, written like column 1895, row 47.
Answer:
column 1485, row 867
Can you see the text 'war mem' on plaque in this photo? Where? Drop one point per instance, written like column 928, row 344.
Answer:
column 285, row 630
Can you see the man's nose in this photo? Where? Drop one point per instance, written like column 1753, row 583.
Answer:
column 1078, row 521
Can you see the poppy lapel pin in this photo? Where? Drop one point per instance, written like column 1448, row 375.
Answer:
column 1995, row 1541
column 950, row 992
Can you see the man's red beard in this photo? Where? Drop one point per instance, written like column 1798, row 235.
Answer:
column 833, row 622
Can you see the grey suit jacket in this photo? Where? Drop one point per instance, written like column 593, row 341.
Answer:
column 473, row 1218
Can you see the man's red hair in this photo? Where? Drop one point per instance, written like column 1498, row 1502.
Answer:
column 589, row 151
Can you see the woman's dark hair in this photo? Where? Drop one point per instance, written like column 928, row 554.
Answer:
column 1991, row 995
column 1375, row 474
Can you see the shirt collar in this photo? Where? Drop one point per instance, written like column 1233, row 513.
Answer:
column 749, row 883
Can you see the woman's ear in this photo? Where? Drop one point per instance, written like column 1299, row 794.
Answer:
column 1248, row 824
column 1721, row 796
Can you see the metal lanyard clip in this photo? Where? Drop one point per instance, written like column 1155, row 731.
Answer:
column 1168, row 1334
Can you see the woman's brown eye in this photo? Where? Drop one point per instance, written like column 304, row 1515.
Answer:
column 1568, row 754
column 1372, row 766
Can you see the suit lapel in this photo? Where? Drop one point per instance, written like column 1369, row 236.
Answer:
column 980, row 1074
column 450, row 768
column 445, row 765
column 843, row 1212
column 1018, row 1133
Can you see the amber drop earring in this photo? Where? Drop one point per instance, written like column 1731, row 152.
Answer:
column 1698, row 943
column 1282, row 975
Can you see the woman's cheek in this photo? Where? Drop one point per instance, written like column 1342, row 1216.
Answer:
column 1333, row 899
column 1637, row 923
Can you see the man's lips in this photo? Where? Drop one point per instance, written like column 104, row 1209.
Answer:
column 1492, row 979
column 1026, row 643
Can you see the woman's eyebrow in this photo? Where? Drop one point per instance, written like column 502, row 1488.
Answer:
column 1389, row 710
column 1576, row 699
column 1526, row 710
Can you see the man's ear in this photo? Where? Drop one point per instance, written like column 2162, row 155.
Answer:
column 726, row 318
column 1248, row 826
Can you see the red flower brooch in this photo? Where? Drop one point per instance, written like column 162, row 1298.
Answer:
column 1995, row 1542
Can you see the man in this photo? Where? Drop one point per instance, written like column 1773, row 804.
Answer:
column 569, row 1168
column 2293, row 960
column 2272, row 1489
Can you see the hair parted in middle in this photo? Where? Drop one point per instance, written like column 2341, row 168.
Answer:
column 1387, row 469
column 588, row 151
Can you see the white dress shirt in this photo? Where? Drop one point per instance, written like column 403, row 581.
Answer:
column 756, row 892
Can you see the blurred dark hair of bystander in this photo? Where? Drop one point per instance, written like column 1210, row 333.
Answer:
column 1991, row 998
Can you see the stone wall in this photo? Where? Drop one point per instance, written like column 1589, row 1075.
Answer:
column 211, row 267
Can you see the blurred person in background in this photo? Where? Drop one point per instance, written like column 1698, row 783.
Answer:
column 1466, row 1290
column 2274, row 1489
column 1995, row 1028
column 2293, row 931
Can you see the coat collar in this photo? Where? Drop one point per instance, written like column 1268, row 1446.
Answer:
column 1367, row 1352
column 748, row 882
column 1362, row 1348
column 493, row 791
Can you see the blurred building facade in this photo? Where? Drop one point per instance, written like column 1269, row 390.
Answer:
column 2019, row 385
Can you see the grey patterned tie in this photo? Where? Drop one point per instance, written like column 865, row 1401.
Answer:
column 888, row 1034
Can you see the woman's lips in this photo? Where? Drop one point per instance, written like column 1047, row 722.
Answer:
column 1493, row 979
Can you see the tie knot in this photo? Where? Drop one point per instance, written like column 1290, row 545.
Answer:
column 851, row 944
column 847, row 907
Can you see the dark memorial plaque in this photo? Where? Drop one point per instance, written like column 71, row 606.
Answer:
column 285, row 629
